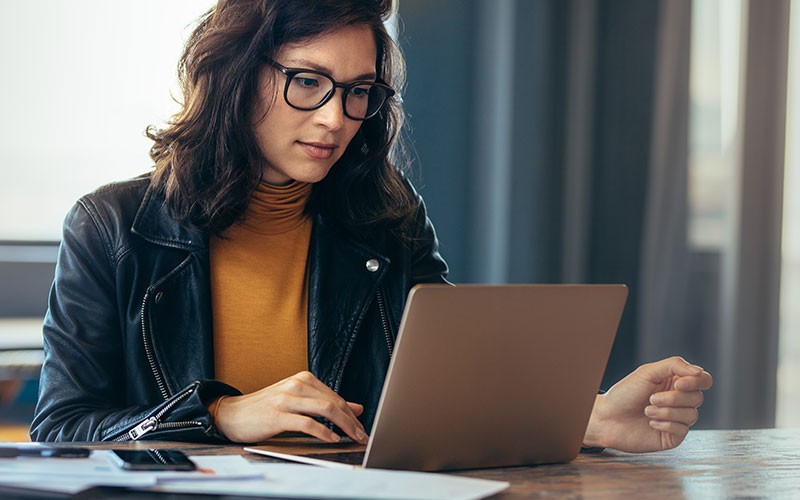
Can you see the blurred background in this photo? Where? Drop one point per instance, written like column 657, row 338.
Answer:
column 645, row 142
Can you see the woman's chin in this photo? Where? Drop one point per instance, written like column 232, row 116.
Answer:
column 310, row 175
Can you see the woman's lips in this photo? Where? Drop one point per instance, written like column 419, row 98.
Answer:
column 318, row 151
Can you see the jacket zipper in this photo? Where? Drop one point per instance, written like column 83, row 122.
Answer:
column 148, row 350
column 385, row 321
column 387, row 335
column 152, row 423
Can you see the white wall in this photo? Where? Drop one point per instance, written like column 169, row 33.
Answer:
column 81, row 79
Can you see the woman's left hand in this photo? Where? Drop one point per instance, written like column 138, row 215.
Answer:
column 649, row 410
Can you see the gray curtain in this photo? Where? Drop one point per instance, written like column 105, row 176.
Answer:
column 552, row 146
column 663, row 300
column 531, row 124
column 720, row 307
column 751, row 272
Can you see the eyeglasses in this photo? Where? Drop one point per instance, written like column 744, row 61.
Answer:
column 307, row 89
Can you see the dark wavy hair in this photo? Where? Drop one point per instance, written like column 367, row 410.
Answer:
column 207, row 161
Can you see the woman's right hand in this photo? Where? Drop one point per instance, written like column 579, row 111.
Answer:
column 289, row 405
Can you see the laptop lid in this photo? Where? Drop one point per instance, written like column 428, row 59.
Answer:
column 491, row 376
column 494, row 375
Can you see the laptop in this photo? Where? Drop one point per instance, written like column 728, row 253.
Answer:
column 484, row 376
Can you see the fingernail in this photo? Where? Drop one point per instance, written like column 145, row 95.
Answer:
column 361, row 436
column 655, row 399
column 650, row 411
column 335, row 437
column 698, row 369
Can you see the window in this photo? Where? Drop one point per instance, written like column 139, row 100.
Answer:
column 715, row 168
column 714, row 121
column 81, row 81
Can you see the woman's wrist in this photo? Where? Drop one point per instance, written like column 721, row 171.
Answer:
column 213, row 410
column 593, row 438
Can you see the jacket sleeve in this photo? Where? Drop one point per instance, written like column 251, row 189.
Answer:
column 83, row 379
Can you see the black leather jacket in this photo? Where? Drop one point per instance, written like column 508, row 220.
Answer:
column 128, row 334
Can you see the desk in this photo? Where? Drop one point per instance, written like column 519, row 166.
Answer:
column 710, row 464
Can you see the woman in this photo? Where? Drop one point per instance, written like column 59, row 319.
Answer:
column 253, row 283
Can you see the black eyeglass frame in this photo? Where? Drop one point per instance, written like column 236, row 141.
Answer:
column 290, row 73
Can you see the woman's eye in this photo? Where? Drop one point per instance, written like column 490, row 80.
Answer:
column 360, row 92
column 306, row 81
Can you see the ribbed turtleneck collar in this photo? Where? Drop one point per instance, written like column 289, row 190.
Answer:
column 277, row 209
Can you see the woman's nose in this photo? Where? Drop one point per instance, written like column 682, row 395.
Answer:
column 331, row 114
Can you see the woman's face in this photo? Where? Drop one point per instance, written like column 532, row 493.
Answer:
column 304, row 145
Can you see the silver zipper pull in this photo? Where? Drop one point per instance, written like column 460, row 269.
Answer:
column 143, row 428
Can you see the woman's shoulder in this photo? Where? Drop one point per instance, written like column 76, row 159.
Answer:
column 119, row 193
column 111, row 207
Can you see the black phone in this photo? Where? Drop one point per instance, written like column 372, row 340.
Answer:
column 153, row 460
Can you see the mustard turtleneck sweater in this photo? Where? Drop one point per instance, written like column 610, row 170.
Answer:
column 259, row 290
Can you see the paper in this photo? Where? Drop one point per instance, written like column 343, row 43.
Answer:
column 234, row 474
column 68, row 475
column 75, row 474
column 304, row 481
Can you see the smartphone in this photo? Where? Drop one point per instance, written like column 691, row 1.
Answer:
column 153, row 460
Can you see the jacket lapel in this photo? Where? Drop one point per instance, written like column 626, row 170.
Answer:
column 176, row 310
column 341, row 288
column 157, row 224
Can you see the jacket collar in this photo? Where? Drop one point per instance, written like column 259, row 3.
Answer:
column 156, row 223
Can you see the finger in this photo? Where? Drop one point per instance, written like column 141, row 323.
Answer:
column 335, row 411
column 306, row 385
column 356, row 408
column 301, row 423
column 682, row 399
column 666, row 368
column 675, row 431
column 699, row 382
column 315, row 384
column 685, row 416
